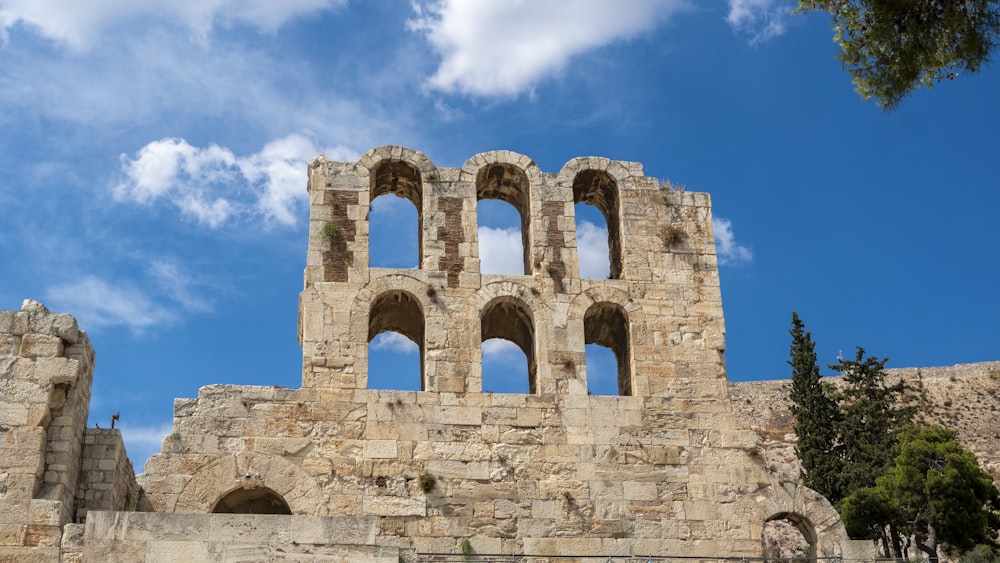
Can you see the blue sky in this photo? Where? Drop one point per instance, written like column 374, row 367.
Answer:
column 153, row 170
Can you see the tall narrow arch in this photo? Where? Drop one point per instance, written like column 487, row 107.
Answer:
column 598, row 188
column 401, row 179
column 399, row 312
column 510, row 319
column 508, row 183
column 606, row 324
column 256, row 500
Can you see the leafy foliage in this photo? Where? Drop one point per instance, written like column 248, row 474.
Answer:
column 891, row 47
column 816, row 417
column 934, row 490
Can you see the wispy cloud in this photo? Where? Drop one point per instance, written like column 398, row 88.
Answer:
column 81, row 24
column 143, row 441
column 592, row 249
column 98, row 303
column 500, row 251
column 503, row 48
column 730, row 252
column 395, row 343
column 761, row 20
column 212, row 186
column 162, row 295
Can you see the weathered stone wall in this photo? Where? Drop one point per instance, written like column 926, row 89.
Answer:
column 964, row 397
column 665, row 284
column 663, row 468
column 346, row 473
column 107, row 480
column 46, row 371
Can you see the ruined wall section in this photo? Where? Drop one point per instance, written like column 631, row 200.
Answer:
column 107, row 479
column 664, row 273
column 46, row 369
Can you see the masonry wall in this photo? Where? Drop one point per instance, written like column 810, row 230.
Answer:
column 46, row 371
column 662, row 468
column 107, row 480
column 665, row 276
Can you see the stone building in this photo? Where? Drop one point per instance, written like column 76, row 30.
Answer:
column 335, row 471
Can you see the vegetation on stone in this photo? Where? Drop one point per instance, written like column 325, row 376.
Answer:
column 890, row 478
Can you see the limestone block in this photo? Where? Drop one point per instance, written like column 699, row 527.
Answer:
column 172, row 551
column 34, row 345
column 395, row 506
column 380, row 449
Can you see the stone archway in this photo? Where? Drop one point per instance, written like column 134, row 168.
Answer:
column 215, row 480
column 788, row 535
column 252, row 500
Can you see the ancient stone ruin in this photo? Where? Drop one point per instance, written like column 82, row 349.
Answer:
column 335, row 471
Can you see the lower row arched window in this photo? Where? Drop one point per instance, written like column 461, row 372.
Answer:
column 396, row 346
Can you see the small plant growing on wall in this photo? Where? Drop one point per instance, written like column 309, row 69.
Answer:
column 331, row 231
column 427, row 482
column 466, row 547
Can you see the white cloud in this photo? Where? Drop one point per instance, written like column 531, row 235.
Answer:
column 760, row 19
column 592, row 250
column 97, row 303
column 502, row 351
column 504, row 47
column 159, row 298
column 143, row 441
column 81, row 24
column 730, row 252
column 395, row 343
column 500, row 251
column 212, row 185
column 176, row 284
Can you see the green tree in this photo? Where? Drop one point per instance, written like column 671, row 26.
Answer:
column 872, row 514
column 816, row 417
column 891, row 47
column 934, row 490
column 871, row 419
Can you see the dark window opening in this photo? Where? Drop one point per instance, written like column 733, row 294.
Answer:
column 605, row 325
column 392, row 223
column 510, row 320
column 600, row 190
column 509, row 184
column 258, row 500
column 402, row 180
column 592, row 242
column 501, row 248
column 396, row 343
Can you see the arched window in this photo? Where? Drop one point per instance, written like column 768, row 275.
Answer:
column 605, row 329
column 508, row 320
column 395, row 235
column 599, row 190
column 497, row 226
column 396, row 342
column 257, row 500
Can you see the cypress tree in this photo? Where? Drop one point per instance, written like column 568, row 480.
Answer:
column 817, row 418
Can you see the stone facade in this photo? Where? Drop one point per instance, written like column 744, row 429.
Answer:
column 348, row 473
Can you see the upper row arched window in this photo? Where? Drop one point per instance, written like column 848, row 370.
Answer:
column 503, row 202
column 394, row 215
